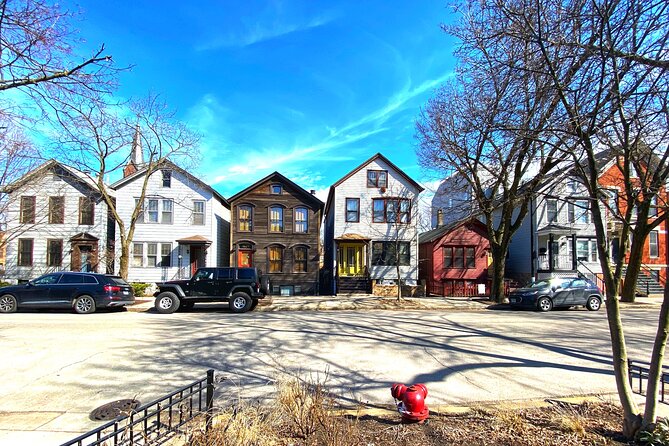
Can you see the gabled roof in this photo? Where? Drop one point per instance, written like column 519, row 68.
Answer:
column 277, row 177
column 170, row 165
column 36, row 173
column 437, row 233
column 360, row 167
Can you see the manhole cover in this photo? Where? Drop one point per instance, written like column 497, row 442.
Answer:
column 113, row 410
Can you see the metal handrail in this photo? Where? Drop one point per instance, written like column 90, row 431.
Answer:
column 641, row 370
column 148, row 417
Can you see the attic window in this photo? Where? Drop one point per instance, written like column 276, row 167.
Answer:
column 275, row 189
column 377, row 178
column 167, row 178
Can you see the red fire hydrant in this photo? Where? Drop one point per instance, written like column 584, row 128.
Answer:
column 410, row 401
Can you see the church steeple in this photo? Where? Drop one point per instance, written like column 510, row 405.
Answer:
column 136, row 161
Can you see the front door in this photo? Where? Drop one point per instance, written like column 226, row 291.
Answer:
column 350, row 260
column 196, row 259
column 245, row 258
column 85, row 258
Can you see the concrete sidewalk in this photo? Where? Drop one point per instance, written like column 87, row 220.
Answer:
column 370, row 302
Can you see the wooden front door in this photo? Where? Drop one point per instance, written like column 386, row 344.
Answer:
column 245, row 258
column 350, row 260
column 196, row 258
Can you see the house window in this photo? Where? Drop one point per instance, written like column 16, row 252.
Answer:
column 652, row 211
column 167, row 178
column 245, row 218
column 459, row 257
column 275, row 259
column 301, row 220
column 653, row 244
column 198, row 212
column 571, row 213
column 377, row 178
column 276, row 219
column 86, row 211
column 586, row 250
column 390, row 253
column 27, row 211
column 137, row 254
column 152, row 255
column 166, row 216
column 582, row 211
column 352, row 210
column 391, row 210
column 300, row 259
column 572, row 186
column 56, row 210
column 165, row 255
column 140, row 214
column 551, row 210
column 54, row 252
column 152, row 211
column 25, row 252
column 275, row 189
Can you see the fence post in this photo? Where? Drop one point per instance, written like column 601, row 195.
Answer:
column 210, row 398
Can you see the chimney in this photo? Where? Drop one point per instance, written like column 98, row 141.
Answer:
column 136, row 155
column 440, row 218
column 313, row 191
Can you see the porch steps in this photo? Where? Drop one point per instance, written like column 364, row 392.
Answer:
column 646, row 284
column 353, row 285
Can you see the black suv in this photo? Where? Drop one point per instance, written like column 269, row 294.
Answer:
column 82, row 292
column 558, row 292
column 241, row 287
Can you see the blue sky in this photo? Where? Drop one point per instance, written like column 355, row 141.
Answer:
column 308, row 88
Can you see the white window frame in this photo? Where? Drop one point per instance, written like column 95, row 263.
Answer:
column 198, row 214
column 654, row 245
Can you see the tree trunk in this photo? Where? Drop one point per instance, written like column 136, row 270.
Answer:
column 656, row 361
column 628, row 293
column 124, row 261
column 631, row 417
column 498, row 269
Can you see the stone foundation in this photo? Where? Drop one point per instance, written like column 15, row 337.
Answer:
column 391, row 290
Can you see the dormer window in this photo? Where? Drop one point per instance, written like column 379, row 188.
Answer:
column 275, row 189
column 377, row 178
column 167, row 178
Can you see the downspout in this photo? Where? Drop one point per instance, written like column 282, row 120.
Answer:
column 533, row 253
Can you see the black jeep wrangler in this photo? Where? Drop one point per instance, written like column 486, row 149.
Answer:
column 241, row 287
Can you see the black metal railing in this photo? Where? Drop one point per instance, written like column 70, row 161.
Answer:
column 156, row 420
column 640, row 371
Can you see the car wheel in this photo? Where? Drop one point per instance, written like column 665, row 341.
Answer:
column 593, row 303
column 8, row 303
column 544, row 304
column 186, row 306
column 84, row 305
column 167, row 302
column 240, row 303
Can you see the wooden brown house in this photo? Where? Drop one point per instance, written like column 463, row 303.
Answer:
column 275, row 226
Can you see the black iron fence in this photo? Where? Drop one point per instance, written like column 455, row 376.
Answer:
column 156, row 420
column 640, row 371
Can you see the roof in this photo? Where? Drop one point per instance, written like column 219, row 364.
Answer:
column 81, row 177
column 194, row 240
column 169, row 164
column 276, row 176
column 361, row 166
column 437, row 233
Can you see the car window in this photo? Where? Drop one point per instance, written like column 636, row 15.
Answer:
column 90, row 279
column 204, row 274
column 72, row 278
column 225, row 273
column 47, row 280
column 579, row 283
column 117, row 280
column 245, row 273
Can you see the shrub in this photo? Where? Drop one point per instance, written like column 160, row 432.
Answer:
column 659, row 436
column 138, row 288
column 4, row 284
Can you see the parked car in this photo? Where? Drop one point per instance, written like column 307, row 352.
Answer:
column 240, row 287
column 558, row 292
column 82, row 292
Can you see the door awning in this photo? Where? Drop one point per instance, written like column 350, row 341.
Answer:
column 352, row 237
column 194, row 240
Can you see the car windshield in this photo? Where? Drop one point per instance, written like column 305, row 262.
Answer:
column 555, row 282
column 540, row 284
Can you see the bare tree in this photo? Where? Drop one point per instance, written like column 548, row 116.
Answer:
column 99, row 140
column 604, row 66
column 37, row 43
column 486, row 127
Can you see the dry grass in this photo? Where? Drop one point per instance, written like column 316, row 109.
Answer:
column 304, row 413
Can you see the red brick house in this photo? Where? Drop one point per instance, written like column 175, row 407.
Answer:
column 454, row 259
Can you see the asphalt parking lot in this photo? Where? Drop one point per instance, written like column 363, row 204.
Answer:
column 59, row 366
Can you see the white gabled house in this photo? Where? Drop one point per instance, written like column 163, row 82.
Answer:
column 56, row 220
column 371, row 225
column 185, row 224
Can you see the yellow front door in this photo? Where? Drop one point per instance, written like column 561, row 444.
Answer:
column 350, row 260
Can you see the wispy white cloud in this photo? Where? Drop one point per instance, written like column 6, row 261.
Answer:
column 265, row 30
